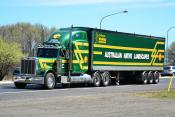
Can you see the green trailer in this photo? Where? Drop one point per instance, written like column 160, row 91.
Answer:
column 88, row 55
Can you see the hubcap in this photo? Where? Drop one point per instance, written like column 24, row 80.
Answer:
column 105, row 78
column 156, row 80
column 50, row 82
column 145, row 78
column 145, row 81
column 97, row 79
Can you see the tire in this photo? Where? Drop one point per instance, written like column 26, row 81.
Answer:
column 105, row 79
column 49, row 81
column 156, row 78
column 144, row 78
column 20, row 85
column 96, row 79
column 150, row 77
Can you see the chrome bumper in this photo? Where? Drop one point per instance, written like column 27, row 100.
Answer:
column 29, row 79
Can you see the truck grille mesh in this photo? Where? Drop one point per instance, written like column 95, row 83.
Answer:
column 28, row 66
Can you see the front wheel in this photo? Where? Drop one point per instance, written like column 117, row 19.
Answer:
column 20, row 85
column 49, row 81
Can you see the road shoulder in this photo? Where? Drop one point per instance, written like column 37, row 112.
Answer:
column 6, row 82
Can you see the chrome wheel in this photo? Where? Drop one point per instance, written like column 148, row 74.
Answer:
column 144, row 78
column 156, row 78
column 50, row 81
column 105, row 78
column 150, row 77
column 96, row 79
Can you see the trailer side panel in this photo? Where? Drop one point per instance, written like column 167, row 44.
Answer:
column 127, row 52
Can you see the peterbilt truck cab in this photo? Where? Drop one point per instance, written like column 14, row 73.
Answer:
column 56, row 61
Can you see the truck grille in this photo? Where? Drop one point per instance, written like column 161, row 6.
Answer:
column 28, row 66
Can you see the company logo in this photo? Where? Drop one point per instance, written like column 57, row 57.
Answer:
column 101, row 38
column 56, row 36
column 160, row 56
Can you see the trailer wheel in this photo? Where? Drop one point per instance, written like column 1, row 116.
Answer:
column 20, row 85
column 156, row 78
column 105, row 78
column 144, row 79
column 49, row 81
column 150, row 77
column 96, row 79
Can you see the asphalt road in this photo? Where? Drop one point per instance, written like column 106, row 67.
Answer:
column 111, row 101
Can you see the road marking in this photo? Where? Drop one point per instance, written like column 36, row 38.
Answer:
column 87, row 88
column 165, row 77
column 94, row 88
column 35, row 91
column 31, row 91
column 5, row 82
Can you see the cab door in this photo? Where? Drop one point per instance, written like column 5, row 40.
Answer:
column 62, row 62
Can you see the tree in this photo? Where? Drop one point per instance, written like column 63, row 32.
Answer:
column 10, row 55
column 26, row 34
column 171, row 54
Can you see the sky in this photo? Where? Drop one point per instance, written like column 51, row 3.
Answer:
column 147, row 17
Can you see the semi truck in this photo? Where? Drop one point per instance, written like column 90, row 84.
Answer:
column 95, row 56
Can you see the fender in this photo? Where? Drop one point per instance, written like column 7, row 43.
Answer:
column 49, row 70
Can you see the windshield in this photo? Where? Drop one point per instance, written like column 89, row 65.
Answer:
column 47, row 52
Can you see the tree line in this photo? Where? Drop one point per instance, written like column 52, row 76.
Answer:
column 19, row 40
column 26, row 34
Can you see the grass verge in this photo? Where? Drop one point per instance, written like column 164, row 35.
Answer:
column 163, row 94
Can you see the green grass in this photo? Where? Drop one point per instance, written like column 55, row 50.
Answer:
column 158, row 94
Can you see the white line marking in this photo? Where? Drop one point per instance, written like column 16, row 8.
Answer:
column 5, row 82
column 165, row 77
column 32, row 91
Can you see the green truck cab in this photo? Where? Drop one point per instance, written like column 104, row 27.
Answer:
column 88, row 55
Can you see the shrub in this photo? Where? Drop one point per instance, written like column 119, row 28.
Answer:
column 10, row 55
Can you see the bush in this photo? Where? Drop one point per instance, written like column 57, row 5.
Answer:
column 10, row 55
